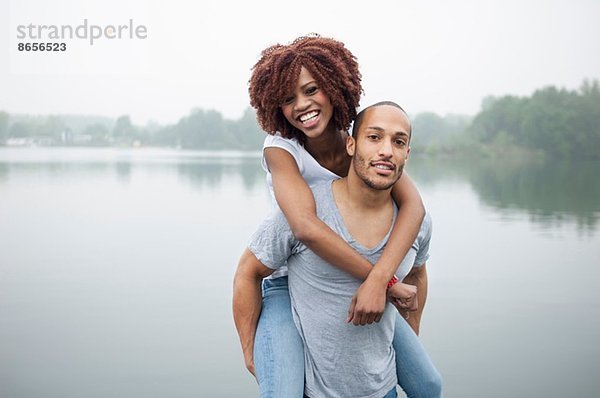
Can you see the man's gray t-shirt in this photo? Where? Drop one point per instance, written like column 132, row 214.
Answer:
column 341, row 360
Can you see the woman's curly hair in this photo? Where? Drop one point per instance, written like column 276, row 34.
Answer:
column 275, row 75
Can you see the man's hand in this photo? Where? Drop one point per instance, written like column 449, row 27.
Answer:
column 404, row 298
column 368, row 303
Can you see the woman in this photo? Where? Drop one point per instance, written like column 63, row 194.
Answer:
column 306, row 94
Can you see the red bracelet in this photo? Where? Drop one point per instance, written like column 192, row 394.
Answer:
column 392, row 281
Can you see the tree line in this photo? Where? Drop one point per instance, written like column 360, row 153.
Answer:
column 551, row 121
column 200, row 129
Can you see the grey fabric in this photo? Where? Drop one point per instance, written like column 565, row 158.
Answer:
column 341, row 360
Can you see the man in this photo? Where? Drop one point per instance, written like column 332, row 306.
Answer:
column 341, row 360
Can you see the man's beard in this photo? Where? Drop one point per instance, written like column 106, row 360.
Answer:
column 360, row 168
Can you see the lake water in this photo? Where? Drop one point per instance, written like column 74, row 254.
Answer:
column 116, row 273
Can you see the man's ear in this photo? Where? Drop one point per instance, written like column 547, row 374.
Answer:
column 350, row 145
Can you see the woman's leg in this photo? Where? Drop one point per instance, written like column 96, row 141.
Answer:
column 417, row 375
column 278, row 349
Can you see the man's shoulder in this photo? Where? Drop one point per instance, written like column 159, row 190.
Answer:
column 322, row 189
column 322, row 192
column 422, row 243
column 424, row 234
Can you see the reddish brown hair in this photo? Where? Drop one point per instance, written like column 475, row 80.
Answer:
column 275, row 75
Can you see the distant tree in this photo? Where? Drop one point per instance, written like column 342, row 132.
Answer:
column 204, row 130
column 501, row 115
column 20, row 130
column 99, row 134
column 546, row 121
column 433, row 133
column 429, row 130
column 52, row 127
column 487, row 102
column 587, row 124
column 165, row 136
column 556, row 121
column 124, row 130
column 248, row 134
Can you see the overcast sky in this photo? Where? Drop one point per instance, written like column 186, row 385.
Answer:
column 441, row 56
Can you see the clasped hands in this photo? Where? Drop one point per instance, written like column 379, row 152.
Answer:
column 368, row 303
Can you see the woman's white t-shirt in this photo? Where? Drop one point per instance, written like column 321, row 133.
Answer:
column 312, row 172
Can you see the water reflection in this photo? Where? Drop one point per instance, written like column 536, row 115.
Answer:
column 214, row 173
column 123, row 170
column 52, row 170
column 203, row 170
column 551, row 193
column 4, row 169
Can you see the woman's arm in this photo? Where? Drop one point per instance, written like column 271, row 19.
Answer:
column 406, row 227
column 298, row 205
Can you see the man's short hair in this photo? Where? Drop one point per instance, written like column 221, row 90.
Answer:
column 361, row 115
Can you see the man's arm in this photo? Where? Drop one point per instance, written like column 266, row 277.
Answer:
column 417, row 277
column 247, row 302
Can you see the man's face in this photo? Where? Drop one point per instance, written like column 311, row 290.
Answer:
column 380, row 149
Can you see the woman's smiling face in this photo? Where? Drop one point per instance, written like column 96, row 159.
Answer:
column 308, row 108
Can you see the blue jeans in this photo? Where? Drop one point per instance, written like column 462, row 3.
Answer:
column 279, row 353
column 391, row 394
column 417, row 375
column 278, row 348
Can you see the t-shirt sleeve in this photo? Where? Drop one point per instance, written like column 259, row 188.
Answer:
column 288, row 145
column 273, row 242
column 423, row 240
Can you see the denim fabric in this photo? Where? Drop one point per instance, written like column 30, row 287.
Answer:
column 391, row 394
column 278, row 349
column 417, row 375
